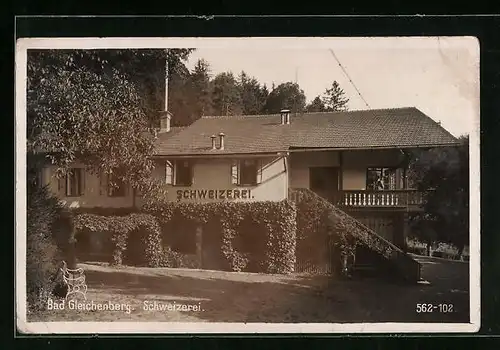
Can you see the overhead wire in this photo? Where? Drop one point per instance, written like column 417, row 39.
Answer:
column 349, row 78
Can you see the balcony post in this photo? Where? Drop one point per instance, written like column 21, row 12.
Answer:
column 405, row 179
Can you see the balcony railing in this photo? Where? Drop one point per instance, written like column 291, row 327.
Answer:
column 385, row 198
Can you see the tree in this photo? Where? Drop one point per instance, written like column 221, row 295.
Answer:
column 443, row 175
column 316, row 105
column 226, row 98
column 334, row 98
column 264, row 93
column 95, row 106
column 200, row 95
column 179, row 97
column 43, row 210
column 286, row 95
column 253, row 96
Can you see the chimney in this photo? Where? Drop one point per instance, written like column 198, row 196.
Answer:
column 165, row 122
column 221, row 137
column 166, row 85
column 285, row 116
column 165, row 116
column 213, row 137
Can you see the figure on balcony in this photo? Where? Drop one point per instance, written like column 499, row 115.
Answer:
column 379, row 185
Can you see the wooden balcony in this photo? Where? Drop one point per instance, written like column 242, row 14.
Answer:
column 397, row 199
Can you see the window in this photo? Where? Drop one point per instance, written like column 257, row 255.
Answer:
column 37, row 177
column 74, row 182
column 179, row 173
column 246, row 172
column 383, row 178
column 116, row 186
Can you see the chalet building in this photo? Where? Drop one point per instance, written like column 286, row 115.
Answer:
column 357, row 160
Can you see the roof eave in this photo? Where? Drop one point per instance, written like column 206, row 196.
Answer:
column 220, row 155
column 317, row 149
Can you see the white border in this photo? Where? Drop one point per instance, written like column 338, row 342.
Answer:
column 234, row 43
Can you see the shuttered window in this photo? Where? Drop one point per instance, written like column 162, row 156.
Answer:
column 74, row 184
column 169, row 172
column 179, row 173
column 246, row 172
column 235, row 178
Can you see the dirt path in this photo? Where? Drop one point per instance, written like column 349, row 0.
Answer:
column 217, row 296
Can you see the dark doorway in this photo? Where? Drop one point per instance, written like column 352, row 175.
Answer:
column 212, row 256
column 324, row 181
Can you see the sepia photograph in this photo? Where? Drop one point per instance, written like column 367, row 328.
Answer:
column 237, row 185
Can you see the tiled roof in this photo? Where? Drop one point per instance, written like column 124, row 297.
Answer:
column 401, row 127
column 174, row 130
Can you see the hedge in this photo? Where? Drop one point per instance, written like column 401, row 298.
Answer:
column 121, row 228
column 269, row 226
column 276, row 222
column 321, row 234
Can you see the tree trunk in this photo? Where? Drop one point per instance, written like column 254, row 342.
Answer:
column 71, row 249
column 428, row 248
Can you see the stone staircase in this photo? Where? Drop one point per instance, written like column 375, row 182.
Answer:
column 389, row 258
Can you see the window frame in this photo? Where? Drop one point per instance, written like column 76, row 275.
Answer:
column 171, row 177
column 236, row 171
column 81, row 182
column 111, row 191
column 255, row 174
column 382, row 170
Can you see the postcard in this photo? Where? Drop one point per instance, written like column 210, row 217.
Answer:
column 247, row 185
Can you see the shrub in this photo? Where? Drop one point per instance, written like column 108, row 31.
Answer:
column 322, row 236
column 170, row 258
column 271, row 224
column 277, row 233
column 417, row 250
column 439, row 249
column 121, row 228
column 42, row 253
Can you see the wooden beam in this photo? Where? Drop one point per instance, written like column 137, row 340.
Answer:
column 221, row 155
column 341, row 172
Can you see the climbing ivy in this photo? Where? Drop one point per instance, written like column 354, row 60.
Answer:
column 120, row 227
column 276, row 222
column 319, row 228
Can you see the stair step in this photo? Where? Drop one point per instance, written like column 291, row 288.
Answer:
column 393, row 260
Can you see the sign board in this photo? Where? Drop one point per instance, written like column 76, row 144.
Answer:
column 215, row 194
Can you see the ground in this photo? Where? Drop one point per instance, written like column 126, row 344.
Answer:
column 248, row 297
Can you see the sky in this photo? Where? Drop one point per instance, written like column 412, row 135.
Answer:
column 439, row 76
